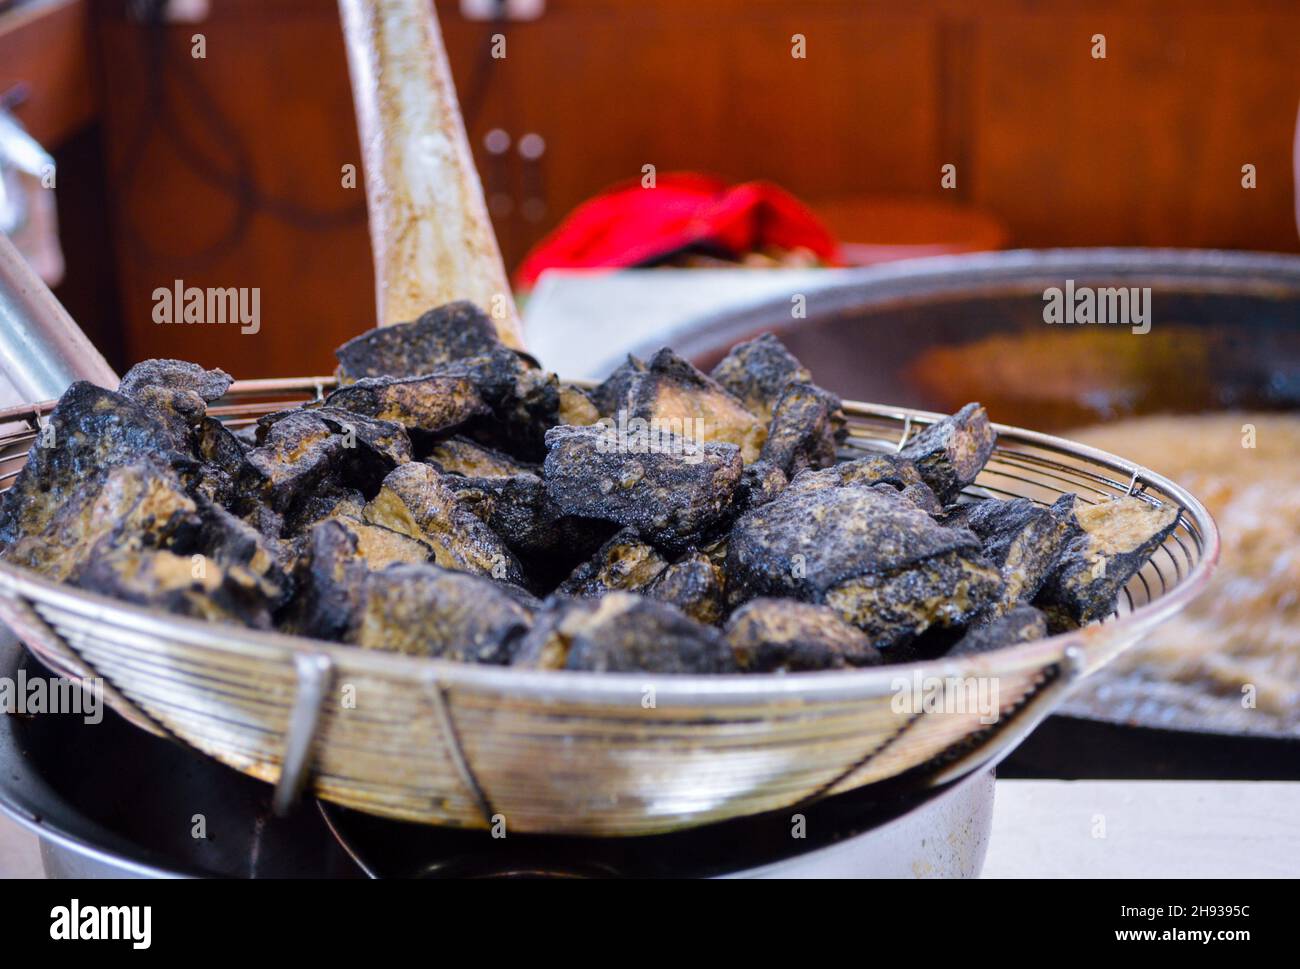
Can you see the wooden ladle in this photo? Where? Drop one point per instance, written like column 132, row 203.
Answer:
column 429, row 227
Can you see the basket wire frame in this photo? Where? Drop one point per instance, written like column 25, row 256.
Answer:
column 605, row 754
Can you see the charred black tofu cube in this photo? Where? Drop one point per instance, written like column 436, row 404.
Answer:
column 951, row 453
column 802, row 432
column 301, row 452
column 622, row 633
column 614, row 393
column 338, row 555
column 757, row 372
column 1019, row 624
column 189, row 585
column 880, row 562
column 661, row 485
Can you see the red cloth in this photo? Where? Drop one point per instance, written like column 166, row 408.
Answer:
column 631, row 226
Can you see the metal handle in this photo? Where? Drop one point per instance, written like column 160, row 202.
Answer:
column 1020, row 725
column 429, row 228
column 42, row 350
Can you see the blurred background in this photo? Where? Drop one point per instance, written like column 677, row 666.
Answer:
column 225, row 170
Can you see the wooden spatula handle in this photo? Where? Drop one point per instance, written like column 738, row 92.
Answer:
column 429, row 227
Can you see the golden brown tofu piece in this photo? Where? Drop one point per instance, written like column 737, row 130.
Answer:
column 416, row 501
column 576, row 407
column 1106, row 544
column 783, row 635
column 691, row 405
column 624, row 563
column 951, row 453
column 469, row 459
column 694, row 584
column 431, row 403
column 422, row 610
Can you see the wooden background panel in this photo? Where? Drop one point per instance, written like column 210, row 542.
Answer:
column 1146, row 146
column 234, row 179
column 613, row 86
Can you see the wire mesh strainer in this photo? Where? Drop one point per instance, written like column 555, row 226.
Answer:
column 579, row 753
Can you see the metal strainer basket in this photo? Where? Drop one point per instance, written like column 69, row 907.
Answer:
column 593, row 754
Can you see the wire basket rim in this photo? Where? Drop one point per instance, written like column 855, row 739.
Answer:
column 680, row 689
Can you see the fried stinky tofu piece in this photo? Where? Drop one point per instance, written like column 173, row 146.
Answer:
column 612, row 394
column 416, row 500
column 621, row 633
column 522, row 416
column 802, row 431
column 207, row 385
column 694, row 584
column 760, row 482
column 576, row 406
column 522, row 512
column 894, row 607
column 184, row 584
column 950, row 453
column 624, row 563
column 224, row 476
column 431, row 403
column 89, row 431
column 470, row 459
column 1019, row 624
column 875, row 558
column 458, row 339
column 447, row 334
column 757, row 372
column 784, row 635
column 877, row 471
column 300, row 452
column 137, row 505
column 424, row 610
column 176, row 393
column 674, row 394
column 338, row 555
column 664, row 487
column 331, row 500
column 1106, row 543
column 1021, row 538
column 230, row 541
